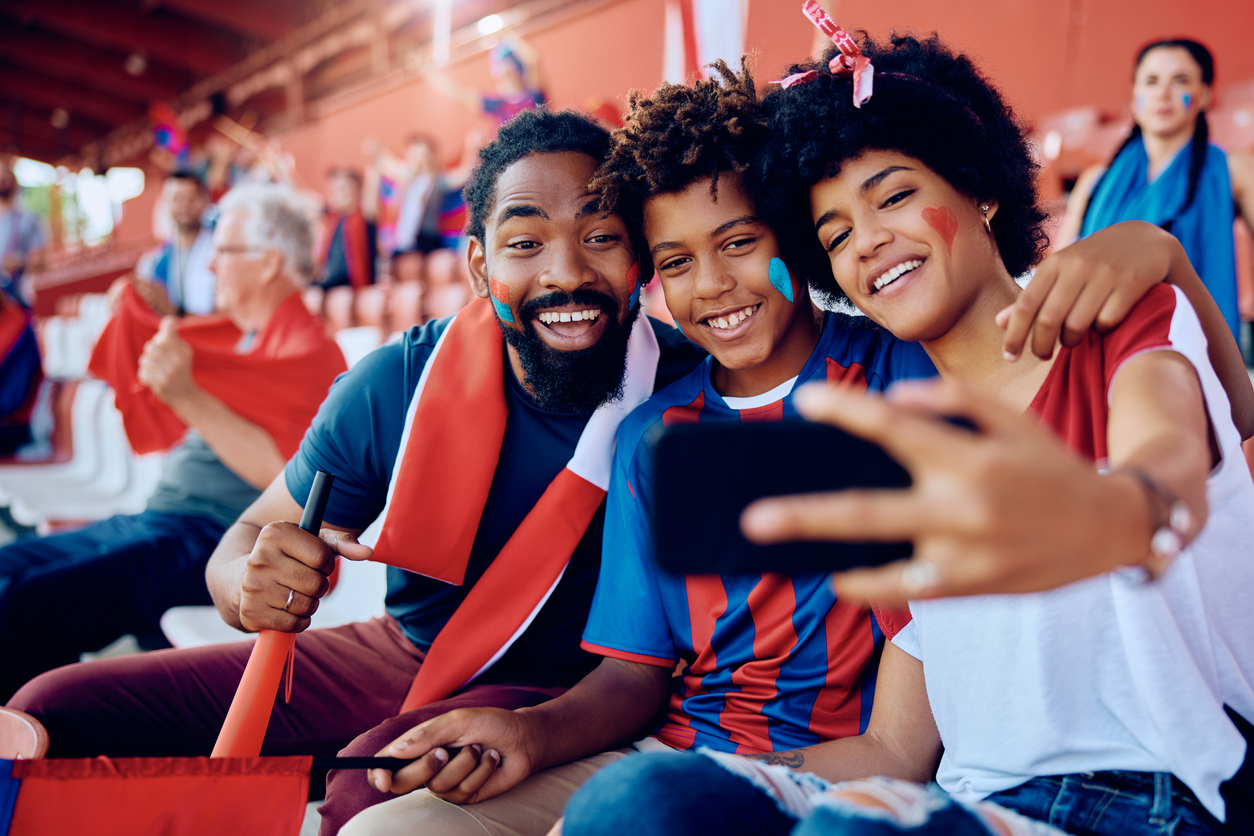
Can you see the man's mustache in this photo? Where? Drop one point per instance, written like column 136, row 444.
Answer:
column 583, row 298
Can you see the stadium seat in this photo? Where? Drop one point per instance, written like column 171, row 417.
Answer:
column 405, row 306
column 1232, row 126
column 312, row 297
column 357, row 596
column 338, row 308
column 358, row 341
column 372, row 307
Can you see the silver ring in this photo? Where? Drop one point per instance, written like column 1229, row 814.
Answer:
column 286, row 606
column 919, row 576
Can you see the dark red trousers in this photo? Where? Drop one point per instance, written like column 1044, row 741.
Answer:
column 348, row 684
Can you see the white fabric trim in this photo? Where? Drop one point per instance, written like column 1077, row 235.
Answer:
column 765, row 399
column 522, row 628
column 594, row 454
column 409, row 422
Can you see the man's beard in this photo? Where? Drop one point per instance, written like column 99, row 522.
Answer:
column 572, row 381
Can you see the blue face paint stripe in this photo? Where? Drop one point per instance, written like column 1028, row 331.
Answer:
column 635, row 296
column 780, row 279
column 1187, row 98
column 502, row 310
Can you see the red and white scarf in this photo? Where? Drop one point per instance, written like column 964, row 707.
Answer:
column 440, row 483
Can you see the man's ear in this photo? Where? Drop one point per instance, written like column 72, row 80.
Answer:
column 476, row 263
column 271, row 265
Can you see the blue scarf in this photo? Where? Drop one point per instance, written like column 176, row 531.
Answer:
column 1205, row 229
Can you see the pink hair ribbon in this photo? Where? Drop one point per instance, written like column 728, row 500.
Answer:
column 850, row 61
column 796, row 78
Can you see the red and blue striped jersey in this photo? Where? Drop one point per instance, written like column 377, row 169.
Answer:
column 766, row 662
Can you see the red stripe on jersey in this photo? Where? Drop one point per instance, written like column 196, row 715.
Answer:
column 689, row 414
column 707, row 601
column 614, row 653
column 850, row 643
column 772, row 603
column 853, row 373
column 770, row 412
column 675, row 736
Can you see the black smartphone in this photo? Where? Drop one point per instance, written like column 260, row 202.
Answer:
column 706, row 474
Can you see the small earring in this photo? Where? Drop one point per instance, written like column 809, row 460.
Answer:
column 988, row 227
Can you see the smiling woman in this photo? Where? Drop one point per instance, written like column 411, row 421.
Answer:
column 923, row 204
column 1168, row 173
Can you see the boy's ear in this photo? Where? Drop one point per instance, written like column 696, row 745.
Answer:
column 476, row 263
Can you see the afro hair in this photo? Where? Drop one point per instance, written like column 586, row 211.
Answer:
column 530, row 132
column 930, row 104
column 681, row 134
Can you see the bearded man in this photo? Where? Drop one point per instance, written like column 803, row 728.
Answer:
column 484, row 441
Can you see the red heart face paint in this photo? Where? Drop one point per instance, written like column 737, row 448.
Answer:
column 943, row 221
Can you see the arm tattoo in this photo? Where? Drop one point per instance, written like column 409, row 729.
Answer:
column 794, row 759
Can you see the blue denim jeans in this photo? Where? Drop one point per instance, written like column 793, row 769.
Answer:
column 1112, row 804
column 671, row 793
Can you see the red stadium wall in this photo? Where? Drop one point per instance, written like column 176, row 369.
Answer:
column 1046, row 56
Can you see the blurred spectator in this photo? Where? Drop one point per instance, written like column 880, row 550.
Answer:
column 233, row 395
column 346, row 242
column 20, row 374
column 1167, row 171
column 175, row 279
column 21, row 238
column 421, row 187
column 516, row 69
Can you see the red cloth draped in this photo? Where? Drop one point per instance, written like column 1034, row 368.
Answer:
column 441, row 487
column 170, row 796
column 279, row 385
column 14, row 320
column 356, row 245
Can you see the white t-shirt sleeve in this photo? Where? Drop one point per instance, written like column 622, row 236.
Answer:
column 907, row 639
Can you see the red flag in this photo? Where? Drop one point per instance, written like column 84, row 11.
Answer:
column 167, row 796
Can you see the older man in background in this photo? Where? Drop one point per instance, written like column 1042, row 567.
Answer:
column 231, row 395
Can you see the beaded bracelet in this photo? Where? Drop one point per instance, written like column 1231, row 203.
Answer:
column 1172, row 519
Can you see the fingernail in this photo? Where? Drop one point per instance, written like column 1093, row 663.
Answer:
column 759, row 517
column 1010, row 357
column 477, row 749
column 441, row 755
column 495, row 757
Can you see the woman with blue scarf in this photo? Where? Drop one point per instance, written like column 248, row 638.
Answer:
column 1167, row 172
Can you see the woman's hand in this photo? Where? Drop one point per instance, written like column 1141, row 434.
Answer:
column 1006, row 508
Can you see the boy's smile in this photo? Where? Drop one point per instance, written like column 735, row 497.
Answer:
column 714, row 258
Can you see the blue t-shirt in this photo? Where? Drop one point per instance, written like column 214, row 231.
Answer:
column 769, row 662
column 356, row 435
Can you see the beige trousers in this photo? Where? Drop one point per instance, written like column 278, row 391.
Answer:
column 529, row 809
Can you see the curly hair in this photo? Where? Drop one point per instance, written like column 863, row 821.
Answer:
column 530, row 132
column 681, row 134
column 930, row 104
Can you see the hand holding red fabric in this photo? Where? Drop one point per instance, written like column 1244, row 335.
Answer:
column 165, row 366
column 278, row 386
